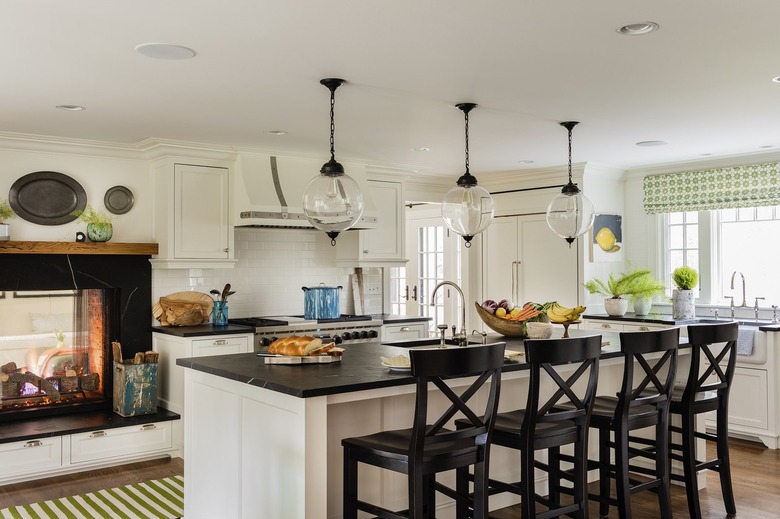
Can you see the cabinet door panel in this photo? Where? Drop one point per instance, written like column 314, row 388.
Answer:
column 202, row 218
column 386, row 241
column 500, row 257
column 548, row 266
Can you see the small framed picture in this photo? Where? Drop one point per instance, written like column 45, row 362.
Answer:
column 606, row 238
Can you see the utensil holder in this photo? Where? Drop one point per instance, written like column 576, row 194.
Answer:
column 219, row 314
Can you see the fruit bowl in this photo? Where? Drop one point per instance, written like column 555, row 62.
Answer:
column 505, row 327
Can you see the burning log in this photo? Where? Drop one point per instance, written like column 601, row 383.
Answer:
column 31, row 378
column 8, row 368
column 90, row 382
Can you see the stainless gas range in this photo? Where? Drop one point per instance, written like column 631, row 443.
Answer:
column 346, row 330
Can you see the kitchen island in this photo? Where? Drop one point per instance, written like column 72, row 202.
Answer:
column 265, row 440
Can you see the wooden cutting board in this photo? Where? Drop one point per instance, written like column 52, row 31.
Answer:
column 307, row 359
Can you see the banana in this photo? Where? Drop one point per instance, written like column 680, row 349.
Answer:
column 561, row 314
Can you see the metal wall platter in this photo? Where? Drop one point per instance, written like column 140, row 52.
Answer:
column 118, row 200
column 47, row 198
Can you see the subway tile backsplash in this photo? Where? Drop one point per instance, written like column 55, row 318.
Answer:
column 273, row 265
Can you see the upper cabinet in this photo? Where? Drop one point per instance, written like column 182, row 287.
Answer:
column 383, row 245
column 192, row 215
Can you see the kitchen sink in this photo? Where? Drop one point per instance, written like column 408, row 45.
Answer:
column 724, row 321
column 432, row 341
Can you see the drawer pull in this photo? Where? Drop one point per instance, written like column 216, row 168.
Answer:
column 33, row 443
column 148, row 427
column 404, row 329
column 606, row 326
column 220, row 342
column 644, row 329
column 97, row 434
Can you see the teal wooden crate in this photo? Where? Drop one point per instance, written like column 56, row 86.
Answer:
column 135, row 389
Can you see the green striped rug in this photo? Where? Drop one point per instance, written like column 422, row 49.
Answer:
column 160, row 498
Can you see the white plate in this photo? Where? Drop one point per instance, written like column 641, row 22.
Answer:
column 399, row 369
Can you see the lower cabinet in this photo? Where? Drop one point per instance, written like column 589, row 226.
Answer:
column 56, row 455
column 613, row 326
column 170, row 390
column 404, row 331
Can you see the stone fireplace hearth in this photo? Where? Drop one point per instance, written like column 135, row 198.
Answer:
column 115, row 276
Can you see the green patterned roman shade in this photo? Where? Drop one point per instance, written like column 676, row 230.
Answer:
column 720, row 188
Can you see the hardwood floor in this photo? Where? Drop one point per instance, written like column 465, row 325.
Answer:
column 755, row 474
column 89, row 481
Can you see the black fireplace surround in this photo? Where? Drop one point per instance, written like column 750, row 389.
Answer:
column 129, row 275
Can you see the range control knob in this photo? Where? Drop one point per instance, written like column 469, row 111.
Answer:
column 337, row 339
column 373, row 334
column 356, row 335
column 346, row 336
column 265, row 341
column 364, row 334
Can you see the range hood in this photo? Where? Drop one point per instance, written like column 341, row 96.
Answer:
column 268, row 192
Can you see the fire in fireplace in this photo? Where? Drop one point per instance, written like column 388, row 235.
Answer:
column 54, row 350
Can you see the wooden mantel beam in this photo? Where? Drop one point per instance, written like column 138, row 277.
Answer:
column 61, row 247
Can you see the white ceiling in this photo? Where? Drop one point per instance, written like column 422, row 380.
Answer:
column 703, row 82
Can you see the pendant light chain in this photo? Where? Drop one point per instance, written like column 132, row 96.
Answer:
column 333, row 126
column 467, row 141
column 569, row 128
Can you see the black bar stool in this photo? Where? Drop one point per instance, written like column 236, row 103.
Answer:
column 642, row 402
column 713, row 358
column 544, row 424
column 424, row 450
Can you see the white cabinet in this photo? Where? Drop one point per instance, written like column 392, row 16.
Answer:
column 383, row 245
column 617, row 326
column 523, row 260
column 192, row 215
column 170, row 386
column 404, row 331
column 68, row 453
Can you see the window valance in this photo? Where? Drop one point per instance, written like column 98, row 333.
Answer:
column 755, row 185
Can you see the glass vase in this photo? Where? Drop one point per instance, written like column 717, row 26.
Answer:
column 219, row 314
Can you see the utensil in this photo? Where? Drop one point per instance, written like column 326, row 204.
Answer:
column 225, row 291
column 214, row 292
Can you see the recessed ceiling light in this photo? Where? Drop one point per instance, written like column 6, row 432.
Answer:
column 277, row 132
column 652, row 143
column 165, row 51
column 765, row 146
column 637, row 29
column 525, row 161
column 776, row 79
column 421, row 149
column 71, row 108
column 705, row 154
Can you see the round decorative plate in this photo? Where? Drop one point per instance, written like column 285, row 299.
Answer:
column 47, row 198
column 118, row 200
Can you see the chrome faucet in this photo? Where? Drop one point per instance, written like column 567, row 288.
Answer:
column 744, row 302
column 756, row 307
column 460, row 337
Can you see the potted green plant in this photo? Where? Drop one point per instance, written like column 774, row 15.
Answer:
column 620, row 288
column 683, row 297
column 6, row 213
column 99, row 227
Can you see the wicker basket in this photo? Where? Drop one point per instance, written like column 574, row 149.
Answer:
column 502, row 326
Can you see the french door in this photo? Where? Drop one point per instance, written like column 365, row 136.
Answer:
column 434, row 256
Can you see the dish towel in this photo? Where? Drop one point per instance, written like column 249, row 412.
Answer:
column 745, row 342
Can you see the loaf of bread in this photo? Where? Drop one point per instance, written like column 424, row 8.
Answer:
column 299, row 346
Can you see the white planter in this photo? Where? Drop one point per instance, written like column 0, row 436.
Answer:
column 642, row 305
column 616, row 306
column 5, row 232
column 683, row 306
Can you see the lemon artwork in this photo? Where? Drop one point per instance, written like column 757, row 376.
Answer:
column 606, row 240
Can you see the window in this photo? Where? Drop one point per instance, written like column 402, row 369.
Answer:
column 721, row 245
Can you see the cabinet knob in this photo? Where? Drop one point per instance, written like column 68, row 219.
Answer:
column 365, row 251
column 33, row 443
column 225, row 250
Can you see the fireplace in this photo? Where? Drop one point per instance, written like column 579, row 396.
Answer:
column 62, row 312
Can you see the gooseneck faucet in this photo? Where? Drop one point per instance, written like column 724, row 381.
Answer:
column 744, row 301
column 461, row 337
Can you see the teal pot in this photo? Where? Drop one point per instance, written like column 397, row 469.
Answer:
column 99, row 231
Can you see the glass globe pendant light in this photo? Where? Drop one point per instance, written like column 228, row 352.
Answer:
column 467, row 209
column 332, row 201
column 570, row 214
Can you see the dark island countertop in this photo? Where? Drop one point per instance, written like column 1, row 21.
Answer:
column 203, row 330
column 360, row 368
